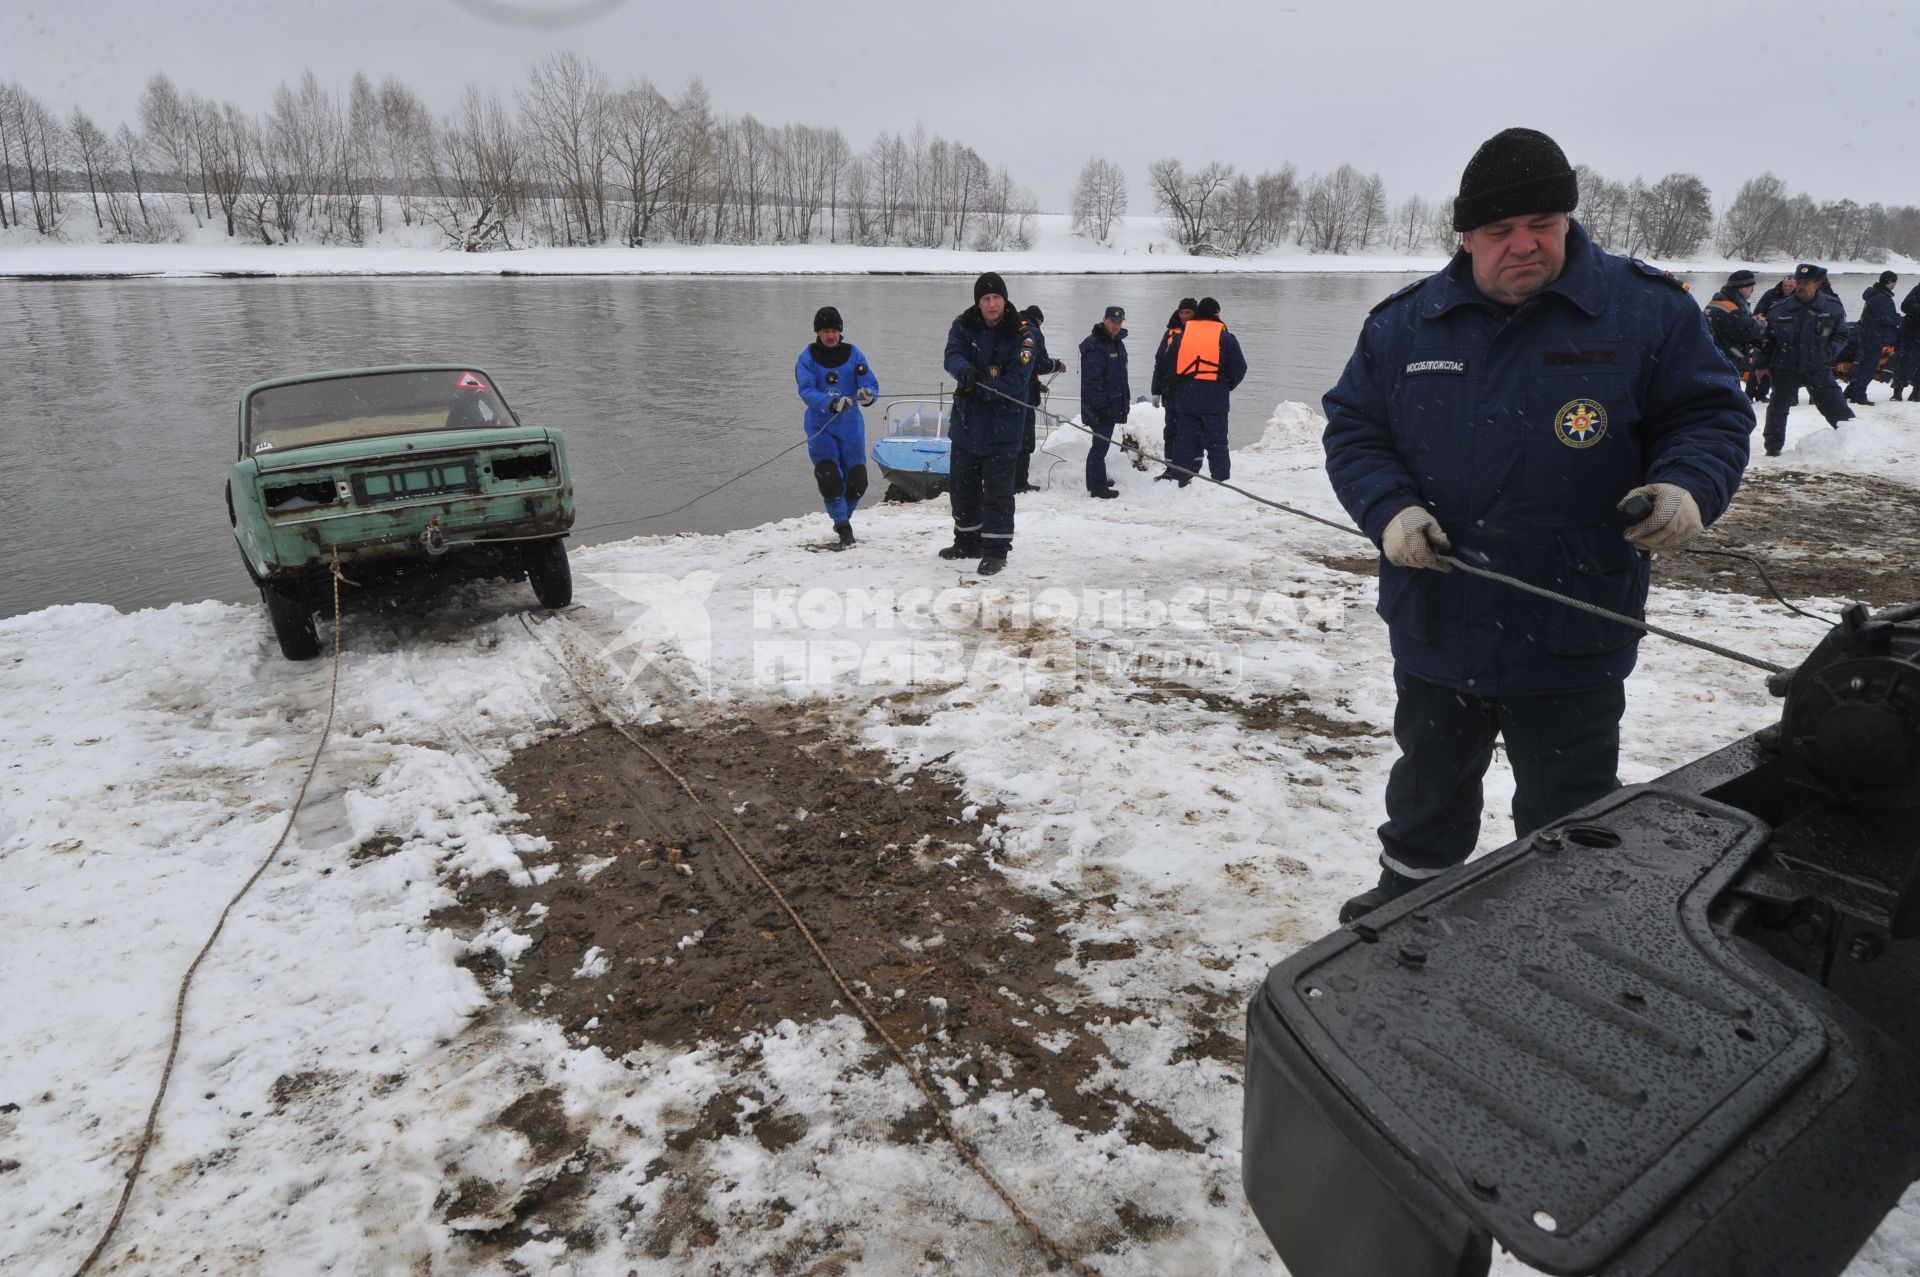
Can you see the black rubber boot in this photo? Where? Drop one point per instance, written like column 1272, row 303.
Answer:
column 1391, row 887
column 960, row 550
column 993, row 564
column 846, row 534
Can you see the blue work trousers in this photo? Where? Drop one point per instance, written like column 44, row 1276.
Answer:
column 1565, row 753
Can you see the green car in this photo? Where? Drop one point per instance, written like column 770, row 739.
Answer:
column 413, row 475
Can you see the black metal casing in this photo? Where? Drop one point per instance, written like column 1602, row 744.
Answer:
column 1674, row 1033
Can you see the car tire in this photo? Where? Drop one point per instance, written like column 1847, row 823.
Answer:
column 293, row 624
column 549, row 574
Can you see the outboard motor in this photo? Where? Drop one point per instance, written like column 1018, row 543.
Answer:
column 1676, row 1032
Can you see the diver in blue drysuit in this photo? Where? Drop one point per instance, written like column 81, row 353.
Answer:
column 836, row 381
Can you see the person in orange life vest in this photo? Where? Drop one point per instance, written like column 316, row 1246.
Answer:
column 1207, row 365
column 1162, row 387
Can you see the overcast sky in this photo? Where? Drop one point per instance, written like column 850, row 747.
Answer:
column 1822, row 92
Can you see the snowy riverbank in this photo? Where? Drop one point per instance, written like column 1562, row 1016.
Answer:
column 1166, row 722
column 1139, row 245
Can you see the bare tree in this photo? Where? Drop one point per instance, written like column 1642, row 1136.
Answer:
column 1186, row 199
column 1373, row 209
column 1753, row 223
column 1676, row 214
column 1336, row 211
column 1412, row 222
column 95, row 154
column 565, row 117
column 642, row 131
column 1099, row 198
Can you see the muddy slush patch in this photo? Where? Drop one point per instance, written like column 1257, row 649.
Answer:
column 653, row 932
column 1833, row 536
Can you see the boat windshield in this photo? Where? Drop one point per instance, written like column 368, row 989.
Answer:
column 369, row 405
column 920, row 420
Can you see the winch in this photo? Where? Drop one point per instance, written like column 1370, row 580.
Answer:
column 1676, row 1032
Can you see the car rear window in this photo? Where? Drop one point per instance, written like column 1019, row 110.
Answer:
column 370, row 405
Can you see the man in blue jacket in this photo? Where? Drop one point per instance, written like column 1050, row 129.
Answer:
column 1805, row 331
column 1879, row 328
column 1044, row 365
column 835, row 382
column 1906, row 365
column 1163, row 388
column 990, row 356
column 1104, row 396
column 1207, row 365
column 1500, row 411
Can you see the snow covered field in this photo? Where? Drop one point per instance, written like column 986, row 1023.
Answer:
column 1139, row 244
column 1166, row 719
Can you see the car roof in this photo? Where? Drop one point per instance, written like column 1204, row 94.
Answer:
column 360, row 372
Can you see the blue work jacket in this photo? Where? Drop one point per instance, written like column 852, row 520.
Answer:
column 1103, row 376
column 1520, row 431
column 1000, row 358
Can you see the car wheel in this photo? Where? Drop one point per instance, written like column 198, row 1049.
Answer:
column 548, row 573
column 292, row 623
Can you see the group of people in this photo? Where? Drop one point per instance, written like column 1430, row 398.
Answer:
column 999, row 361
column 1797, row 335
column 1506, row 410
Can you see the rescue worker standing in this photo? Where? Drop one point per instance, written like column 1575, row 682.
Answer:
column 990, row 357
column 835, row 382
column 1501, row 411
column 1906, row 367
column 1804, row 334
column 1735, row 331
column 1207, row 364
column 1162, row 383
column 1104, row 396
column 1879, row 328
column 1044, row 365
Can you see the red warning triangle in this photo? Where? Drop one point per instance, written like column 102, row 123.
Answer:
column 471, row 381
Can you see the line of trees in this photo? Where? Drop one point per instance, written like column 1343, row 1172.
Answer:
column 1216, row 209
column 567, row 159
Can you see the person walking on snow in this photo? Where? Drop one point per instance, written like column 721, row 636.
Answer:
column 835, row 382
column 1104, row 395
column 1207, row 365
column 990, row 356
column 1804, row 334
column 1501, row 411
column 1162, row 385
column 1879, row 328
column 1044, row 365
column 1906, row 365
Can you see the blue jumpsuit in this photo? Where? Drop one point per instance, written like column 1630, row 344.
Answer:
column 836, row 444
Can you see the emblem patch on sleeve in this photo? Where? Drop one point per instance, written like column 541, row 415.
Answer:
column 1581, row 424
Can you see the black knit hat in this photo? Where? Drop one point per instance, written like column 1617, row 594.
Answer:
column 1207, row 309
column 1186, row 303
column 827, row 317
column 1515, row 172
column 1032, row 314
column 1807, row 270
column 988, row 283
column 1742, row 279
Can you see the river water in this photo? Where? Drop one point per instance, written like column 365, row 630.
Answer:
column 119, row 396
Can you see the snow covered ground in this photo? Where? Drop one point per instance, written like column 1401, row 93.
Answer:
column 349, row 1099
column 1139, row 244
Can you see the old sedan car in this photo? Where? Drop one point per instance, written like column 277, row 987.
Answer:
column 412, row 475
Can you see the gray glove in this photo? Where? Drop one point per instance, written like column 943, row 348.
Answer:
column 1414, row 539
column 1675, row 519
column 865, row 397
column 1156, row 401
column 840, row 405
